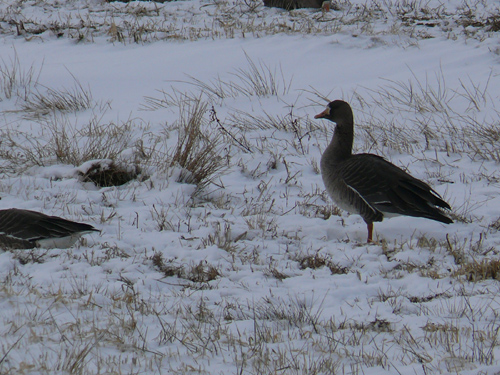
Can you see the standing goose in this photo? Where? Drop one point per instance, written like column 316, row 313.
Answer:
column 367, row 184
column 24, row 229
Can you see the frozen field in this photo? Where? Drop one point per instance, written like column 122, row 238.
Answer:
column 219, row 251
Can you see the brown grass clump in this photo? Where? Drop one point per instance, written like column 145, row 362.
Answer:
column 317, row 261
column 61, row 141
column 197, row 152
column 202, row 272
column 478, row 271
column 109, row 173
column 312, row 261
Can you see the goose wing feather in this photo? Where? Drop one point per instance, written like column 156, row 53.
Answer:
column 33, row 226
column 389, row 189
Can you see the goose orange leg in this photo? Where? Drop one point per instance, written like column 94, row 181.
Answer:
column 370, row 232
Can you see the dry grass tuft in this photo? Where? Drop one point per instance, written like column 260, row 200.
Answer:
column 61, row 141
column 30, row 256
column 276, row 274
column 475, row 271
column 312, row 261
column 197, row 152
column 222, row 238
column 15, row 80
column 494, row 226
column 203, row 272
column 166, row 267
column 257, row 79
column 316, row 261
column 45, row 100
column 323, row 211
column 337, row 269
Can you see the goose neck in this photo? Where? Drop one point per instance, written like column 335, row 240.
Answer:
column 340, row 147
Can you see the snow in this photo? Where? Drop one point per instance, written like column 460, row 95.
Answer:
column 186, row 281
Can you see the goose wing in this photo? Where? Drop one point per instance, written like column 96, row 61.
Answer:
column 33, row 226
column 390, row 190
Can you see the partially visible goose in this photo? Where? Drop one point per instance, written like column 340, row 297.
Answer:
column 24, row 229
column 367, row 184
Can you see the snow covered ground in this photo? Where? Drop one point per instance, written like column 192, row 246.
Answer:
column 224, row 255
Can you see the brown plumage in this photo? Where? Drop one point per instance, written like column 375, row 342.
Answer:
column 367, row 184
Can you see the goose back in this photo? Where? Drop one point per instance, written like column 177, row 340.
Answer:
column 25, row 229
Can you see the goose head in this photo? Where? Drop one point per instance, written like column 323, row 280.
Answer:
column 337, row 111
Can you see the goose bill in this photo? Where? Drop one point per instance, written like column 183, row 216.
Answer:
column 323, row 114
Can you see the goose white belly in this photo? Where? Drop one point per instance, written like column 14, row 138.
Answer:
column 58, row 242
